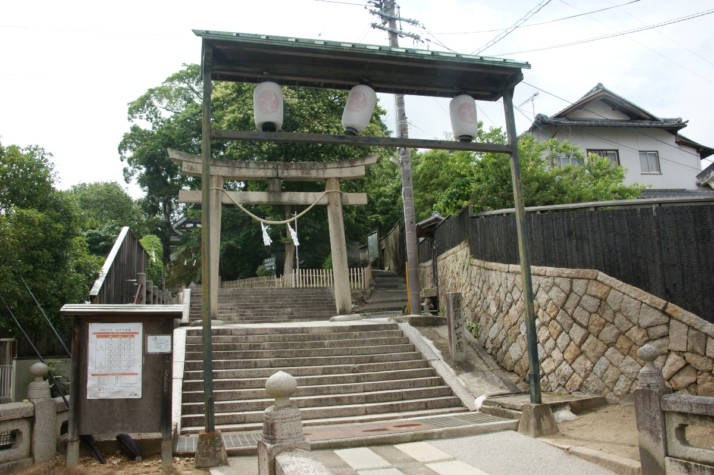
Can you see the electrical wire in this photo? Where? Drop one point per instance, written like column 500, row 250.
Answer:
column 342, row 3
column 513, row 27
column 613, row 35
column 542, row 22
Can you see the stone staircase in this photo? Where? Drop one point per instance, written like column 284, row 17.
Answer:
column 346, row 372
column 389, row 296
column 268, row 305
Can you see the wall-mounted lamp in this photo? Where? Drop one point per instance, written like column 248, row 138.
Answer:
column 268, row 106
column 462, row 109
column 358, row 110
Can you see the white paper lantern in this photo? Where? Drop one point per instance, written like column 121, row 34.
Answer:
column 358, row 110
column 463, row 117
column 268, row 106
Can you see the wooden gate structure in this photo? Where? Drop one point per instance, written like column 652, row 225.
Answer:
column 332, row 173
column 242, row 57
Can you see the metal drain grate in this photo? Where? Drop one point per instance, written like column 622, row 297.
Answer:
column 462, row 420
column 233, row 440
column 480, row 418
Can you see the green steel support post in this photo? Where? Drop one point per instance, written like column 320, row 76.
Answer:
column 522, row 230
column 206, row 310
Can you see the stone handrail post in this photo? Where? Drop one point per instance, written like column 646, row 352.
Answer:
column 456, row 326
column 648, row 411
column 282, row 426
column 44, row 431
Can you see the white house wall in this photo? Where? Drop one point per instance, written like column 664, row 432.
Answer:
column 597, row 110
column 679, row 165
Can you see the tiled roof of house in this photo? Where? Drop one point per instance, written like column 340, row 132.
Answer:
column 638, row 118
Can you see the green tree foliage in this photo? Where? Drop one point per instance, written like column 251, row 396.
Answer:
column 104, row 208
column 448, row 181
column 155, row 268
column 165, row 116
column 39, row 241
column 169, row 116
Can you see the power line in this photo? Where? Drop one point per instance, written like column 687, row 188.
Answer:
column 656, row 51
column 613, row 35
column 513, row 27
column 341, row 3
column 569, row 17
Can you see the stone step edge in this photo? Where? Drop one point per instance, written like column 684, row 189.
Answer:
column 302, row 379
column 329, row 396
column 301, row 342
column 417, row 357
column 342, row 406
column 318, row 386
column 312, row 352
column 367, row 418
column 288, row 369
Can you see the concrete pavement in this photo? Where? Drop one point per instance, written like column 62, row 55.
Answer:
column 507, row 453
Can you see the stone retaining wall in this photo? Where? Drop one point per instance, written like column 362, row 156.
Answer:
column 589, row 326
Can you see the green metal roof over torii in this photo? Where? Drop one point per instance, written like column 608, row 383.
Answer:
column 244, row 57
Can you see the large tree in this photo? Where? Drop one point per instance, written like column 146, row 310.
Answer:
column 104, row 208
column 40, row 242
column 169, row 116
column 165, row 116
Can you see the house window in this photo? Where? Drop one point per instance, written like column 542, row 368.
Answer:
column 649, row 162
column 563, row 161
column 612, row 155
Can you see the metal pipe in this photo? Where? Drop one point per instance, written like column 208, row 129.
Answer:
column 54, row 330
column 522, row 231
column 206, row 276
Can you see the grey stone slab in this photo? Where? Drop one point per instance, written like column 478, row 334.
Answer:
column 496, row 454
column 362, row 458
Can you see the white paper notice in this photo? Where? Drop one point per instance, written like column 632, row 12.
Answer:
column 114, row 361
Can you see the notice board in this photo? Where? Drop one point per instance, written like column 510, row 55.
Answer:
column 121, row 365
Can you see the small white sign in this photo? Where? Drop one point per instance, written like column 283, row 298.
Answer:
column 158, row 344
column 114, row 361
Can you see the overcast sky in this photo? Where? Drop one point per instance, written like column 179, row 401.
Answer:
column 69, row 69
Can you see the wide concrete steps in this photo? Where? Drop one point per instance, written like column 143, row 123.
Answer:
column 268, row 305
column 389, row 294
column 346, row 372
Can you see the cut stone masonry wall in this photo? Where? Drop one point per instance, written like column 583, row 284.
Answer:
column 589, row 326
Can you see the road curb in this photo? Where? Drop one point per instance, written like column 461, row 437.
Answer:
column 617, row 464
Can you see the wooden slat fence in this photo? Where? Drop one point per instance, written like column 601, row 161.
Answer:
column 117, row 280
column 301, row 278
column 666, row 249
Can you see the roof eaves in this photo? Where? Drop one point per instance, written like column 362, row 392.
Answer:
column 601, row 92
column 668, row 124
column 346, row 46
column 702, row 150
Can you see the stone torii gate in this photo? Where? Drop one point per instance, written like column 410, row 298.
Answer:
column 274, row 173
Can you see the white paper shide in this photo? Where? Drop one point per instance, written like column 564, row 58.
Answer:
column 114, row 361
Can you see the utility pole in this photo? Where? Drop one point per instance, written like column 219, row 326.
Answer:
column 388, row 17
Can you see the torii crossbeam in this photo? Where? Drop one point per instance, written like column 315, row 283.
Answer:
column 274, row 172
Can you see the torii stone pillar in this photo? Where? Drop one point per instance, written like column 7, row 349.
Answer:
column 338, row 247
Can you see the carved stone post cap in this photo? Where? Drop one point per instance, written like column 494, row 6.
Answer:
column 39, row 370
column 281, row 386
column 648, row 353
column 39, row 388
